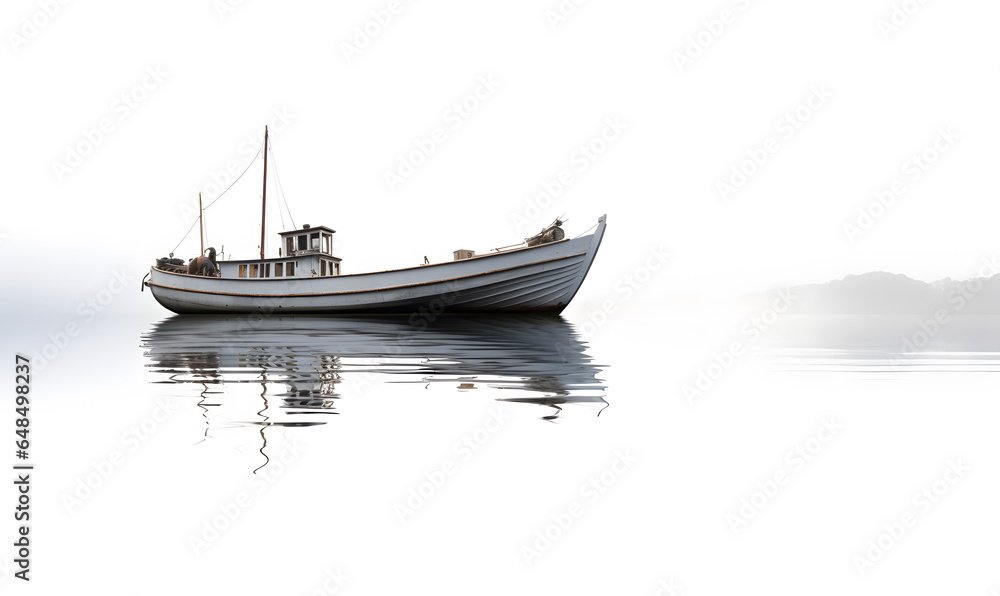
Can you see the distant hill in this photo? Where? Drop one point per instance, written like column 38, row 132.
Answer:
column 887, row 293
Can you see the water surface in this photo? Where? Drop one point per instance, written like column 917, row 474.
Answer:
column 260, row 372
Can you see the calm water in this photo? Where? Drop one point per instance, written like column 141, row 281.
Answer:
column 875, row 345
column 234, row 455
column 258, row 373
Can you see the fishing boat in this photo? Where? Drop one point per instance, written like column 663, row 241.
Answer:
column 542, row 274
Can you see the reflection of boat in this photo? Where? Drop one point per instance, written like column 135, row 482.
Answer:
column 310, row 362
column 543, row 275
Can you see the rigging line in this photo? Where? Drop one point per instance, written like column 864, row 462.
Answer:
column 281, row 193
column 278, row 178
column 280, row 213
column 237, row 178
column 218, row 197
column 584, row 232
column 276, row 188
column 185, row 236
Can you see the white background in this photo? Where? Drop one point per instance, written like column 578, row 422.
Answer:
column 227, row 70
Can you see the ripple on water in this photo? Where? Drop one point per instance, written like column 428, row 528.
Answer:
column 294, row 371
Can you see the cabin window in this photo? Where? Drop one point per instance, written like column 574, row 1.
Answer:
column 302, row 242
column 279, row 268
column 253, row 270
column 267, row 270
column 243, row 270
column 289, row 245
column 314, row 241
column 289, row 269
column 322, row 268
column 336, row 268
column 326, row 243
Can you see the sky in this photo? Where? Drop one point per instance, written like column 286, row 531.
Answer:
column 416, row 128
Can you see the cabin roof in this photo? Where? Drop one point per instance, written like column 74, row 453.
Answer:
column 283, row 259
column 307, row 230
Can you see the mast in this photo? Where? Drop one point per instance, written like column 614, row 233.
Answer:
column 263, row 198
column 201, row 224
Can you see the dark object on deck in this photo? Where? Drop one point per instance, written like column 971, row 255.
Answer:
column 171, row 264
column 553, row 233
column 204, row 266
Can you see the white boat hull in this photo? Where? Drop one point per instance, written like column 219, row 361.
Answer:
column 537, row 279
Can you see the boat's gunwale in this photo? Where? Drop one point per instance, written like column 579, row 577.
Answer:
column 388, row 288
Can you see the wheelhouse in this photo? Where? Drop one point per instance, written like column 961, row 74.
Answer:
column 307, row 252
